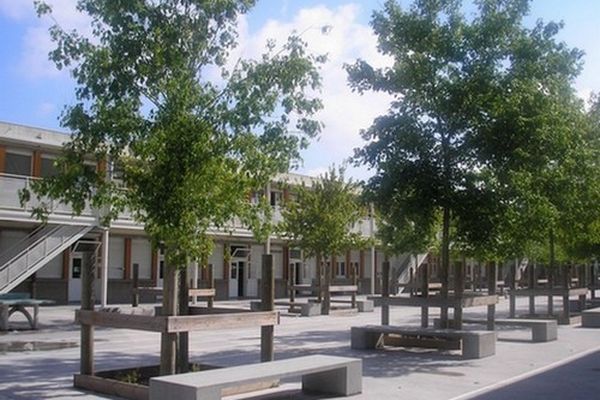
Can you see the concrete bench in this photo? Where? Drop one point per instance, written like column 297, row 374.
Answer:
column 591, row 318
column 541, row 330
column 11, row 303
column 361, row 305
column 326, row 374
column 475, row 344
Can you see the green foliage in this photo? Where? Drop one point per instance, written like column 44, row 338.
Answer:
column 189, row 151
column 321, row 219
column 484, row 131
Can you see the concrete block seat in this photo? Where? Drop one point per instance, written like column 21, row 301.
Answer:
column 474, row 344
column 542, row 330
column 320, row 373
column 591, row 318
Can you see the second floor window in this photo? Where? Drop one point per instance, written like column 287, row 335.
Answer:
column 18, row 164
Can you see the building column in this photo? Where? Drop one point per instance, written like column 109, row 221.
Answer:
column 104, row 269
column 127, row 261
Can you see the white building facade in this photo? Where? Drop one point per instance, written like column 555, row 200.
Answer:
column 46, row 261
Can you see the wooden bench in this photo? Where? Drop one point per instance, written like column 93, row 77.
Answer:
column 591, row 318
column 474, row 344
column 326, row 374
column 541, row 330
column 11, row 303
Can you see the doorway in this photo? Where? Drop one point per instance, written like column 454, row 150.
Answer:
column 237, row 278
column 75, row 268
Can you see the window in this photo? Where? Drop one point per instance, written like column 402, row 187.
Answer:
column 76, row 272
column 161, row 262
column 295, row 254
column 18, row 164
column 48, row 167
column 341, row 268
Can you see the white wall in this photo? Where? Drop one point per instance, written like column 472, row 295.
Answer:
column 53, row 269
column 216, row 259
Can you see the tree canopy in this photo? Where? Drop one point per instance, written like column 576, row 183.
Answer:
column 187, row 150
column 322, row 219
column 485, row 130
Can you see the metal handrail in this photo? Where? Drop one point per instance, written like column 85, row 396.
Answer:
column 26, row 253
column 33, row 238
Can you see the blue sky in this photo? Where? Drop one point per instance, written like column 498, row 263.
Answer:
column 33, row 93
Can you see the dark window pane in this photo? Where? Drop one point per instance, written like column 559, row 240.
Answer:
column 18, row 164
column 48, row 168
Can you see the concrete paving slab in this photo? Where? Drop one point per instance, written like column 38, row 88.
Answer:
column 391, row 373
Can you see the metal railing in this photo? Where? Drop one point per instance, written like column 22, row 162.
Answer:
column 32, row 257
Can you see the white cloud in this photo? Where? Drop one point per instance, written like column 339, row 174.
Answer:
column 16, row 9
column 345, row 112
column 37, row 43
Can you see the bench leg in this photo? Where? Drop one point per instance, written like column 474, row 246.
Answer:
column 545, row 333
column 478, row 346
column 344, row 381
column 20, row 308
column 3, row 317
column 361, row 339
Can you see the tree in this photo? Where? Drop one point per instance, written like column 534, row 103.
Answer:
column 469, row 94
column 189, row 151
column 320, row 222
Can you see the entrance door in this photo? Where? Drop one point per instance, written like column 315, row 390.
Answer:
column 75, row 267
column 236, row 278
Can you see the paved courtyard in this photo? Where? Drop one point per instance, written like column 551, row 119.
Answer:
column 40, row 364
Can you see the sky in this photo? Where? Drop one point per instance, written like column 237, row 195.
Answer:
column 33, row 92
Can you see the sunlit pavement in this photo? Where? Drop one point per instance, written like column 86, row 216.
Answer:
column 40, row 364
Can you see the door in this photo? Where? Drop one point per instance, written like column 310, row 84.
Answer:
column 236, row 278
column 75, row 267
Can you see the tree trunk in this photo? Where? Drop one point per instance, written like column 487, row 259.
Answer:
column 326, row 308
column 168, row 342
column 183, row 351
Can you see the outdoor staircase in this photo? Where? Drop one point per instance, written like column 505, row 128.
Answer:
column 401, row 275
column 36, row 250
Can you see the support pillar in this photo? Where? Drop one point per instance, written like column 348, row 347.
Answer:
column 168, row 341
column 267, row 352
column 491, row 309
column 87, row 303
